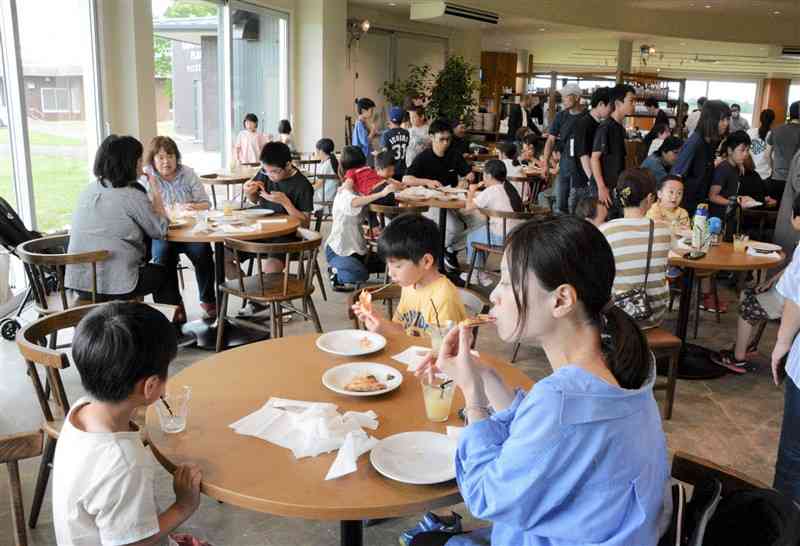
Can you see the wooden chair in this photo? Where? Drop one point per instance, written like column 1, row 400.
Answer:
column 45, row 260
column 694, row 470
column 32, row 345
column 276, row 289
column 665, row 345
column 326, row 204
column 14, row 448
column 531, row 185
column 379, row 216
column 474, row 303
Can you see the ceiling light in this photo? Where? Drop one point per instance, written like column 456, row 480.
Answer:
column 392, row 4
column 707, row 6
column 683, row 43
column 776, row 12
column 542, row 29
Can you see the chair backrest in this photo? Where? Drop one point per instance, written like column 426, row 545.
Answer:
column 324, row 178
column 48, row 256
column 474, row 302
column 694, row 470
column 387, row 295
column 12, row 229
column 303, row 252
column 505, row 216
column 384, row 211
column 32, row 344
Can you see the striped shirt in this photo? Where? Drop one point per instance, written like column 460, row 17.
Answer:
column 186, row 188
column 628, row 238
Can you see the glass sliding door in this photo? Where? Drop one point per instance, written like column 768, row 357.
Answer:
column 60, row 78
column 260, row 66
column 6, row 165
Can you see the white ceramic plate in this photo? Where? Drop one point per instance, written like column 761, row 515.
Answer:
column 351, row 342
column 419, row 458
column 763, row 247
column 337, row 377
column 256, row 213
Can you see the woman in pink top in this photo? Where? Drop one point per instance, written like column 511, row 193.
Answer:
column 249, row 142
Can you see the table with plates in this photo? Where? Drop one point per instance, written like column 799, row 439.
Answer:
column 720, row 257
column 251, row 473
column 272, row 226
column 452, row 202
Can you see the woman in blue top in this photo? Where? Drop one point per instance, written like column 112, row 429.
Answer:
column 696, row 160
column 363, row 131
column 580, row 459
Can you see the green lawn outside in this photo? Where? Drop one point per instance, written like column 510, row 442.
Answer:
column 43, row 139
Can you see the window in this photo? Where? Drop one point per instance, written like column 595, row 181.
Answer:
column 59, row 69
column 741, row 93
column 55, row 99
column 6, row 165
column 794, row 93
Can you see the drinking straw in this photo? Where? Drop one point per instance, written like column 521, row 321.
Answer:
column 435, row 313
column 169, row 409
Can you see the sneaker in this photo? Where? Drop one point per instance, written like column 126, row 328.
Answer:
column 432, row 522
column 708, row 304
column 728, row 360
column 341, row 286
column 484, row 279
column 209, row 310
column 252, row 308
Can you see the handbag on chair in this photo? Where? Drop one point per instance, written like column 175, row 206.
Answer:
column 636, row 302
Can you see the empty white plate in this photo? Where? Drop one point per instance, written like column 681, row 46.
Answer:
column 351, row 342
column 338, row 377
column 763, row 247
column 256, row 213
column 419, row 458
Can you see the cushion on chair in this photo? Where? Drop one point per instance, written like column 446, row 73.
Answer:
column 658, row 338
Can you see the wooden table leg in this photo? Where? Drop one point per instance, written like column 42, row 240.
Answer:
column 443, row 236
column 685, row 305
column 352, row 533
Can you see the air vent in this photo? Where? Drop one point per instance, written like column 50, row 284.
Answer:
column 448, row 13
column 790, row 52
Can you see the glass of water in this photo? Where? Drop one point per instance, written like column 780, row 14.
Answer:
column 173, row 409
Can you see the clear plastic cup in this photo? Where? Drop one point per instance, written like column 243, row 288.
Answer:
column 437, row 334
column 740, row 242
column 173, row 409
column 438, row 397
column 227, row 208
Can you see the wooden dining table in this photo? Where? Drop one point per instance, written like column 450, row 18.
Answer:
column 720, row 257
column 274, row 226
column 443, row 205
column 257, row 475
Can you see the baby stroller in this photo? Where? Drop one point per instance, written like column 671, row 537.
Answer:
column 12, row 234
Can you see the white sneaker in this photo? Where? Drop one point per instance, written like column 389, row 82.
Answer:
column 485, row 279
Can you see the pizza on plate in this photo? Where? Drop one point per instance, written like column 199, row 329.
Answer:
column 366, row 383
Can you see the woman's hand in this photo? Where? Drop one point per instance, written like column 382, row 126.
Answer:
column 457, row 360
column 781, row 349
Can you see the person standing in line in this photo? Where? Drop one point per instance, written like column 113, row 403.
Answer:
column 560, row 132
column 585, row 129
column 608, row 150
column 363, row 131
column 785, row 141
column 651, row 103
column 521, row 115
column 738, row 123
column 760, row 151
column 694, row 117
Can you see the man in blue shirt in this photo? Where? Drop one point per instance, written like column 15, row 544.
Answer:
column 559, row 134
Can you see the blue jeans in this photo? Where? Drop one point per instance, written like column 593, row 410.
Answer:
column 576, row 194
column 562, row 184
column 787, row 467
column 478, row 235
column 166, row 253
column 349, row 269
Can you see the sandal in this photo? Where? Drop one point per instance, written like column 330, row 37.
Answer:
column 727, row 359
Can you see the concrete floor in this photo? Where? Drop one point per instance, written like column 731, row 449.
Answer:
column 734, row 420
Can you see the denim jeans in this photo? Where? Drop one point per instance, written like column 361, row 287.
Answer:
column 563, row 183
column 787, row 467
column 576, row 194
column 349, row 269
column 478, row 235
column 166, row 253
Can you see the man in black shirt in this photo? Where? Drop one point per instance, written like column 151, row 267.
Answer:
column 521, row 115
column 396, row 140
column 583, row 142
column 460, row 145
column 438, row 166
column 608, row 151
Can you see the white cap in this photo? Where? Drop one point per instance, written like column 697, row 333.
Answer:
column 571, row 89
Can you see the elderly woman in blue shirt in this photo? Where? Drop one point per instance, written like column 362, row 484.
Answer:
column 580, row 459
column 181, row 188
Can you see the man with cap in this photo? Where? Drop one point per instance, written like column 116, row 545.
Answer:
column 521, row 115
column 559, row 135
column 396, row 139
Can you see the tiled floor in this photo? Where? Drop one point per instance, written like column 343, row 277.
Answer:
column 734, row 420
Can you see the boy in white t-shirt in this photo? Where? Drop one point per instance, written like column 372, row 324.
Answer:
column 103, row 476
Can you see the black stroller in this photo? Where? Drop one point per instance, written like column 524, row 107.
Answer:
column 12, row 234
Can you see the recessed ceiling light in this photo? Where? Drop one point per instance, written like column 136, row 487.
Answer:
column 542, row 29
column 776, row 12
column 683, row 43
column 707, row 6
column 392, row 4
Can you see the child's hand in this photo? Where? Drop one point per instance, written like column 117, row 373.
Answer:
column 392, row 187
column 371, row 320
column 186, row 483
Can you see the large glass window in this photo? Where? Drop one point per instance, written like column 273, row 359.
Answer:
column 59, row 78
column 794, row 92
column 6, row 167
column 260, row 70
column 741, row 93
column 188, row 49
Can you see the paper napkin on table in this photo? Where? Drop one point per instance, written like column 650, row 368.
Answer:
column 227, row 228
column 454, row 433
column 413, row 356
column 753, row 252
column 201, row 228
column 309, row 429
column 274, row 221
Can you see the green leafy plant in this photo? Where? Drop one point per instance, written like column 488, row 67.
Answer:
column 454, row 95
column 418, row 83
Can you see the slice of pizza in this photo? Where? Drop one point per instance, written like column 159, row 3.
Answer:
column 367, row 383
column 477, row 320
column 365, row 299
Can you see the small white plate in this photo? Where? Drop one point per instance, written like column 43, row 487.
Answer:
column 351, row 342
column 763, row 247
column 256, row 213
column 419, row 458
column 337, row 377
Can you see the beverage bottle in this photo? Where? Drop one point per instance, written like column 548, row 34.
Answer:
column 700, row 227
column 715, row 229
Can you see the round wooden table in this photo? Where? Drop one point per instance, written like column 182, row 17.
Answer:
column 443, row 205
column 720, row 257
column 278, row 226
column 251, row 473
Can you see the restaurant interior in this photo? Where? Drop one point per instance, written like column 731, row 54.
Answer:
column 373, row 241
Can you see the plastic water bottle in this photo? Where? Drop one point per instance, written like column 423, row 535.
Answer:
column 700, row 227
column 715, row 228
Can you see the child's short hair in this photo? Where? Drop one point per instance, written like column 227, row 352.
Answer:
column 284, row 127
column 276, row 154
column 410, row 237
column 669, row 178
column 384, row 159
column 120, row 343
column 586, row 209
column 496, row 169
column 250, row 117
column 440, row 126
column 352, row 158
